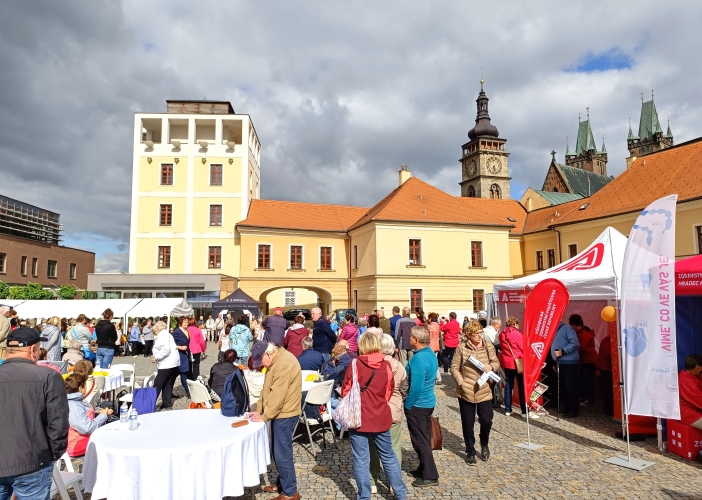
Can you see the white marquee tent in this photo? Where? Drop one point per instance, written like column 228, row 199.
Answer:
column 593, row 280
column 135, row 308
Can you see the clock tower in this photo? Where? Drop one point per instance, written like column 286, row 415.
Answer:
column 485, row 172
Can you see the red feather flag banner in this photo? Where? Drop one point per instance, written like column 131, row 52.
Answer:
column 543, row 311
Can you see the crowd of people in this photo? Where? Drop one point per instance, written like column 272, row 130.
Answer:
column 396, row 362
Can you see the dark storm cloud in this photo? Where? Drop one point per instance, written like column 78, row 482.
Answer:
column 340, row 93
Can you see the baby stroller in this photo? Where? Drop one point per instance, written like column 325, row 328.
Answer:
column 213, row 395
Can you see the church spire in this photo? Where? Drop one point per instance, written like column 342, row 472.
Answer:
column 604, row 149
column 631, row 134
column 668, row 133
column 483, row 127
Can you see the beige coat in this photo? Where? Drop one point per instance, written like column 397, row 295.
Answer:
column 466, row 374
column 399, row 375
column 5, row 330
column 281, row 396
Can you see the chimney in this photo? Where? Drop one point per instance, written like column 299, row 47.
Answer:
column 405, row 174
column 528, row 207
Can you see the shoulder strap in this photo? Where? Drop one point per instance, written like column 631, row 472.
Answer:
column 509, row 346
column 369, row 381
column 73, row 330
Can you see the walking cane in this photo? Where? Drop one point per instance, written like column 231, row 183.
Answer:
column 558, row 385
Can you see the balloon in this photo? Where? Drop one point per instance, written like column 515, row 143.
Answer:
column 609, row 314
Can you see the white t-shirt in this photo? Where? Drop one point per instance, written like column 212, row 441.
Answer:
column 225, row 341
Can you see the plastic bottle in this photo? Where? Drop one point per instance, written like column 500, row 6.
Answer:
column 123, row 413
column 133, row 414
column 97, row 365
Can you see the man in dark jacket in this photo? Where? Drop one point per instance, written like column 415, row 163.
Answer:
column 323, row 337
column 310, row 359
column 403, row 327
column 34, row 417
column 275, row 327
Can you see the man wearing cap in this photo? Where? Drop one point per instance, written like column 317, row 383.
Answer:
column 280, row 403
column 34, row 419
column 275, row 327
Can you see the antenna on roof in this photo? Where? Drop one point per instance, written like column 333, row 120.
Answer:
column 578, row 115
column 481, row 79
column 641, row 96
column 588, row 113
column 651, row 94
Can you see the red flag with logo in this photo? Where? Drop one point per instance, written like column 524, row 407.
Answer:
column 544, row 309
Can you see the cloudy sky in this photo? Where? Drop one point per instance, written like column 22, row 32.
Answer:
column 341, row 93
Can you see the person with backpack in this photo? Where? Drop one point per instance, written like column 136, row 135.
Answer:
column 165, row 354
column 280, row 403
column 220, row 371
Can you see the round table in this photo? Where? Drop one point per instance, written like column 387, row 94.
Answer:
column 176, row 454
column 306, row 384
column 113, row 380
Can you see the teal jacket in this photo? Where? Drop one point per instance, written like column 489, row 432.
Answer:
column 421, row 374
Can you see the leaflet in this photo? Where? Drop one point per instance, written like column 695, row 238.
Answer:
column 494, row 376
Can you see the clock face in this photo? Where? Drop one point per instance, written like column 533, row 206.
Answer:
column 494, row 166
column 471, row 168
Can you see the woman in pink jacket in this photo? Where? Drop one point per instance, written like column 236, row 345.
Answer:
column 512, row 343
column 198, row 345
column 350, row 334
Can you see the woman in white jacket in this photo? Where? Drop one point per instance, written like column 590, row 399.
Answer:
column 165, row 354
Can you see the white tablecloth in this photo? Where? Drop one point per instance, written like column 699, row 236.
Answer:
column 307, row 385
column 113, row 380
column 184, row 454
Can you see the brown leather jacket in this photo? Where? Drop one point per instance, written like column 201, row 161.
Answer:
column 466, row 374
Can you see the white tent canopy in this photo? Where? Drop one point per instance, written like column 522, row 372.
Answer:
column 74, row 308
column 594, row 274
column 593, row 280
column 10, row 302
column 154, row 307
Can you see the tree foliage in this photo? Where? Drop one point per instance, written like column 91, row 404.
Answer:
column 31, row 291
column 67, row 292
column 4, row 290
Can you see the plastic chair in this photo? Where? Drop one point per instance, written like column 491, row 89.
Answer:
column 149, row 381
column 129, row 372
column 319, row 395
column 97, row 392
column 199, row 393
column 64, row 480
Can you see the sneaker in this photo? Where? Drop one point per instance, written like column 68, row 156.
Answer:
column 471, row 461
column 508, row 413
column 585, row 402
column 484, row 453
column 374, row 490
column 423, row 483
column 415, row 473
column 531, row 415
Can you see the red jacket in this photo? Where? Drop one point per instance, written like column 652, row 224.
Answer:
column 690, row 388
column 293, row 340
column 376, row 415
column 197, row 340
column 350, row 334
column 512, row 338
column 587, row 350
column 604, row 357
column 452, row 331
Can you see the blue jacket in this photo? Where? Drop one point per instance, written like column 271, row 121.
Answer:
column 393, row 320
column 310, row 360
column 323, row 337
column 332, row 371
column 566, row 340
column 421, row 375
column 181, row 339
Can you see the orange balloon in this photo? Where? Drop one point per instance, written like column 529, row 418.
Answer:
column 609, row 314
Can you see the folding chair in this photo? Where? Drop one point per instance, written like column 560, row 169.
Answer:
column 129, row 372
column 199, row 393
column 319, row 395
column 64, row 480
column 149, row 381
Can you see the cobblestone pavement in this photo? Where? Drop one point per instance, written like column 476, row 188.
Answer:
column 569, row 466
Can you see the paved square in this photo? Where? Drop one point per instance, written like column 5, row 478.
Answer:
column 569, row 466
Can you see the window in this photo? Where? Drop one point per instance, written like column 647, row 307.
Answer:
column 23, row 266
column 573, row 250
column 355, row 256
column 51, row 269
column 471, row 192
column 3, row 258
column 164, row 257
column 416, row 298
column 290, row 297
column 699, row 239
column 264, row 256
column 539, row 259
column 166, row 215
column 35, row 266
column 214, row 260
column 295, row 257
column 215, row 215
column 415, row 252
column 215, row 175
column 167, row 174
column 495, row 192
column 551, row 253
column 325, row 258
column 478, row 300
column 476, row 253
column 72, row 272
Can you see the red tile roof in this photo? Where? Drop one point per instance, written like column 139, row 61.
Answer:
column 543, row 218
column 670, row 171
column 500, row 209
column 417, row 201
column 303, row 216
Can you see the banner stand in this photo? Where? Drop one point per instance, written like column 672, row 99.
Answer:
column 529, row 445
